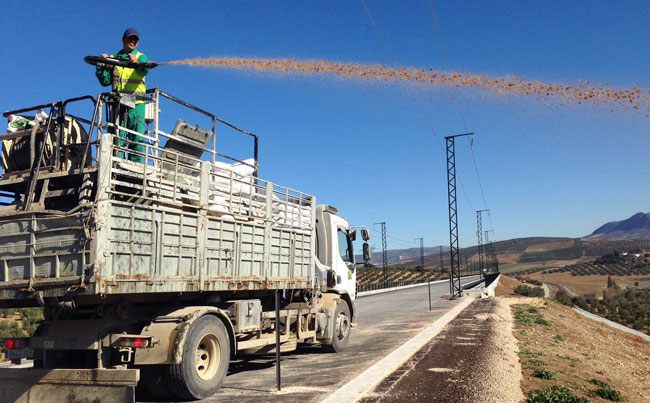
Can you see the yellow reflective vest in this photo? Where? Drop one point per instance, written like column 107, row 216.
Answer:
column 131, row 82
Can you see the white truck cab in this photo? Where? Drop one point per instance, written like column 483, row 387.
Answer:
column 335, row 252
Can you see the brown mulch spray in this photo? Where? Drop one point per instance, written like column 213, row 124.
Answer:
column 511, row 85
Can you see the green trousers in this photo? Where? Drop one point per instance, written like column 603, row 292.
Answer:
column 132, row 119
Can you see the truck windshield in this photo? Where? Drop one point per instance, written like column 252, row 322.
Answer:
column 345, row 246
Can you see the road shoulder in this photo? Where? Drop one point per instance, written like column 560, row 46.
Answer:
column 473, row 359
column 360, row 385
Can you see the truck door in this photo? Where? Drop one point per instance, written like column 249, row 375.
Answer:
column 344, row 264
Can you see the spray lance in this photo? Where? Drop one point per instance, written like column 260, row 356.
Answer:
column 110, row 62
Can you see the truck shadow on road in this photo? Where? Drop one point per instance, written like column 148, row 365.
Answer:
column 251, row 364
column 261, row 362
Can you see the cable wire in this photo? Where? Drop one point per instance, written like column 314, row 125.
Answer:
column 420, row 108
column 458, row 105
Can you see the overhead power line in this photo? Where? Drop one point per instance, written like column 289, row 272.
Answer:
column 457, row 102
column 415, row 100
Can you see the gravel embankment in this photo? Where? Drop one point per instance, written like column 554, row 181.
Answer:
column 473, row 359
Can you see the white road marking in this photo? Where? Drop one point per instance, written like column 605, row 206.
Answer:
column 442, row 370
column 367, row 380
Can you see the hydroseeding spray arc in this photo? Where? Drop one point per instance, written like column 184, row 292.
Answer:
column 511, row 85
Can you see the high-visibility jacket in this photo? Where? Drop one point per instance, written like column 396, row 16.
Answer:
column 131, row 81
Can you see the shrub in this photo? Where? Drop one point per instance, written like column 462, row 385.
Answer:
column 522, row 319
column 529, row 353
column 526, row 314
column 544, row 374
column 528, row 291
column 553, row 394
column 605, row 391
column 566, row 357
column 563, row 298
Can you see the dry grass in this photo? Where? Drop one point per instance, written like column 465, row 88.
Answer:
column 508, row 258
column 592, row 284
column 550, row 246
column 576, row 349
column 515, row 267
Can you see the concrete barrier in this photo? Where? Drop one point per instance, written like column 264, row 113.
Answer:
column 483, row 289
column 383, row 290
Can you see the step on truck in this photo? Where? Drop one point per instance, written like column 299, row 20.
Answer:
column 156, row 257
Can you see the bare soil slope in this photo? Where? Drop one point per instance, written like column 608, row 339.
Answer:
column 506, row 286
column 575, row 350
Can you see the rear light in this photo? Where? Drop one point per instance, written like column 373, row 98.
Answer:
column 134, row 342
column 16, row 343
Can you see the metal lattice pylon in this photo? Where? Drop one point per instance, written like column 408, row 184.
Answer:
column 479, row 236
column 454, row 253
column 383, row 247
column 421, row 252
column 490, row 253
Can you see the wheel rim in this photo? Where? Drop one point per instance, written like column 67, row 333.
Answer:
column 208, row 354
column 342, row 325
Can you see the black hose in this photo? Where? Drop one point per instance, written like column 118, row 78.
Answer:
column 110, row 61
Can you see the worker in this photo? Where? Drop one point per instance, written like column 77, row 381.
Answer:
column 129, row 83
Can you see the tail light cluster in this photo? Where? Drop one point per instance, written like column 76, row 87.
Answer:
column 15, row 343
column 134, row 342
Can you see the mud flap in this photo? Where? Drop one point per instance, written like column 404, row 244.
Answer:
column 29, row 385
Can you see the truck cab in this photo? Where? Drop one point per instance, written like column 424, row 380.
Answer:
column 335, row 253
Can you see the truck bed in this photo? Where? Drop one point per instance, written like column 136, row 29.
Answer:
column 140, row 248
column 168, row 238
column 174, row 222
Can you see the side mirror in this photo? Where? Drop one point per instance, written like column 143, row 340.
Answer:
column 352, row 235
column 367, row 253
column 365, row 234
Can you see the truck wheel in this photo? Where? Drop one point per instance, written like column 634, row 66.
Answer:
column 155, row 382
column 204, row 363
column 342, row 326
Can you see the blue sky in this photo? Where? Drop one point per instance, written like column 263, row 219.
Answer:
column 374, row 151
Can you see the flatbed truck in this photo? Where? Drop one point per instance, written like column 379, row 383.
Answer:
column 157, row 269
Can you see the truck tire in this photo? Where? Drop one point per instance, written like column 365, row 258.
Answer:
column 204, row 363
column 154, row 378
column 342, row 326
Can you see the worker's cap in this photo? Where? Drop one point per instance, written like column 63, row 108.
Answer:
column 130, row 32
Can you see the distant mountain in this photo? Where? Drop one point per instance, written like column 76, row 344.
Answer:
column 635, row 227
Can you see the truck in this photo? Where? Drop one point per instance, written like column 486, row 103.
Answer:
column 156, row 257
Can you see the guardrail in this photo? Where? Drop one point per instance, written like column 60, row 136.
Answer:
column 380, row 285
column 361, row 287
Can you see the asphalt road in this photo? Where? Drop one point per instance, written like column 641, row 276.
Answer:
column 385, row 321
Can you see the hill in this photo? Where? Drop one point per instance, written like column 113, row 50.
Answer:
column 552, row 251
column 635, row 227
